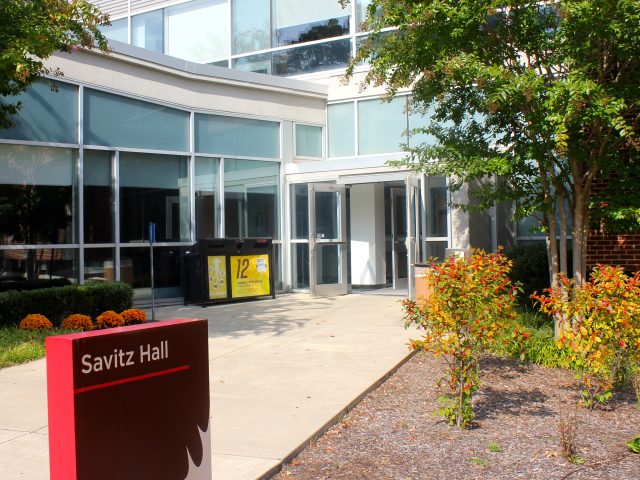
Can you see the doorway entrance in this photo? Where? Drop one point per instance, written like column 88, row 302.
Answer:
column 327, row 240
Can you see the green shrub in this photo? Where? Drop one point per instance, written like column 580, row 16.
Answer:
column 530, row 269
column 58, row 302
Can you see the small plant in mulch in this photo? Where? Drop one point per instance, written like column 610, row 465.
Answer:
column 77, row 321
column 602, row 330
column 35, row 321
column 133, row 316
column 109, row 319
column 494, row 447
column 471, row 302
column 567, row 431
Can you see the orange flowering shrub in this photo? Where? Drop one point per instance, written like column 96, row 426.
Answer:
column 133, row 315
column 77, row 322
column 109, row 319
column 471, row 302
column 602, row 330
column 35, row 321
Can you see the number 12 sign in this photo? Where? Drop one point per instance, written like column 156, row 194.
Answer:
column 250, row 276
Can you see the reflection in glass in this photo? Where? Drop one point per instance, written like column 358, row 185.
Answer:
column 436, row 207
column 326, row 213
column 198, row 31
column 36, row 195
column 381, row 125
column 154, row 188
column 312, row 58
column 146, row 30
column 308, row 141
column 98, row 264
column 300, row 263
column 49, row 113
column 297, row 21
column 436, row 249
column 277, row 266
column 206, row 186
column 251, row 25
column 98, row 197
column 260, row 63
column 251, row 191
column 135, row 270
column 327, row 264
column 39, row 264
column 299, row 211
column 341, row 129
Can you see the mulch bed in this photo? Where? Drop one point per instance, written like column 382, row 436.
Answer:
column 393, row 434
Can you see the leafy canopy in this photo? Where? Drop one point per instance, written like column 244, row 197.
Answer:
column 31, row 31
column 532, row 91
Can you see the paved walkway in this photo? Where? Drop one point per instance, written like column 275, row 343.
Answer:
column 280, row 370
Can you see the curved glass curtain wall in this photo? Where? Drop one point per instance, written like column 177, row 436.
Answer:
column 80, row 211
column 265, row 36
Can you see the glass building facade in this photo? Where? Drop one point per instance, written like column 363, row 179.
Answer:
column 78, row 191
column 277, row 37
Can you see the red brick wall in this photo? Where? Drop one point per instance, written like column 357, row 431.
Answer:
column 623, row 250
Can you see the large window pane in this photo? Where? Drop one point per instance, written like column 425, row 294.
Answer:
column 198, row 31
column 49, row 113
column 251, row 21
column 116, row 121
column 300, row 211
column 418, row 119
column 298, row 21
column 98, row 197
column 146, row 30
column 361, row 13
column 154, row 188
column 135, row 270
column 300, row 265
column 308, row 141
column 206, row 186
column 251, row 193
column 312, row 58
column 118, row 30
column 237, row 136
column 437, row 207
column 340, row 124
column 381, row 125
column 39, row 264
column 98, row 264
column 260, row 63
column 36, row 195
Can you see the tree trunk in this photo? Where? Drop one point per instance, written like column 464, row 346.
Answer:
column 579, row 238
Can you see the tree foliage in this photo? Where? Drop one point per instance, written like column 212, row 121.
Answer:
column 31, row 31
column 542, row 95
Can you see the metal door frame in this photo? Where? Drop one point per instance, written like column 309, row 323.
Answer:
column 334, row 289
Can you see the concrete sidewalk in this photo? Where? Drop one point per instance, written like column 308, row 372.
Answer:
column 280, row 370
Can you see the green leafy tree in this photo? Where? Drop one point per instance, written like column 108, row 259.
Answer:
column 529, row 100
column 31, row 31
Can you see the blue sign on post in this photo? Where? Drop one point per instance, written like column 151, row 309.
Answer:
column 152, row 232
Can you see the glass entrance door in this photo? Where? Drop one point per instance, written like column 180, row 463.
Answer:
column 327, row 240
column 413, row 231
column 399, row 237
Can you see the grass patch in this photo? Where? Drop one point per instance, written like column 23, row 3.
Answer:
column 20, row 346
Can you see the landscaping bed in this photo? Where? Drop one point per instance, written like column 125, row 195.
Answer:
column 393, row 434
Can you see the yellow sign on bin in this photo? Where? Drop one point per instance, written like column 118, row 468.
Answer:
column 250, row 276
column 217, row 271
